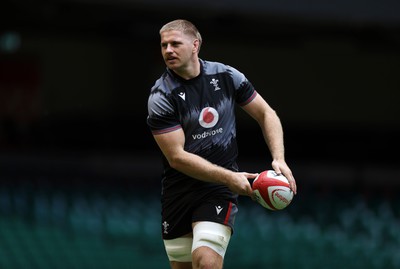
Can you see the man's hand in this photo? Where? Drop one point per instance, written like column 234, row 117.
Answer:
column 240, row 183
column 280, row 167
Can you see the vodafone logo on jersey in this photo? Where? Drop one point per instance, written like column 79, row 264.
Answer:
column 208, row 117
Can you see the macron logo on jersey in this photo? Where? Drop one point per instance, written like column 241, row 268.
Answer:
column 182, row 95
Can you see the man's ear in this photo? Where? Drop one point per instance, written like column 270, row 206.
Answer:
column 196, row 45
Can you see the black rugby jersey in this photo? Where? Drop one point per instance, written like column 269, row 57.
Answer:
column 204, row 107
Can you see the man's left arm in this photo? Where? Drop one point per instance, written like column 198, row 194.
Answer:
column 272, row 130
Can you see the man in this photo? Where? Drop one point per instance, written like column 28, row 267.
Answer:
column 191, row 116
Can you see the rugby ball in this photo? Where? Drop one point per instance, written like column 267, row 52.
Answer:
column 272, row 190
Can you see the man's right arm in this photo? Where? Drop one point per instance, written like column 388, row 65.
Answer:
column 172, row 146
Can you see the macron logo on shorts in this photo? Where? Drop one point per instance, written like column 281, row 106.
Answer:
column 219, row 209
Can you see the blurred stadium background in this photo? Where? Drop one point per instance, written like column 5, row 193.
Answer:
column 79, row 171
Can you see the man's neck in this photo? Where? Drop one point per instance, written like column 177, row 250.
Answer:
column 191, row 71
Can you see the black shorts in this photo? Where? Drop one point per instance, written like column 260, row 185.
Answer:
column 178, row 215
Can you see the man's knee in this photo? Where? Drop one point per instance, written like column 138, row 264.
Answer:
column 206, row 258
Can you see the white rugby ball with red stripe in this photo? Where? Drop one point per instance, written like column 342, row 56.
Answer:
column 272, row 190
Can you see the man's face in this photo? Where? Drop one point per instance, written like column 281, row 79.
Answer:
column 177, row 49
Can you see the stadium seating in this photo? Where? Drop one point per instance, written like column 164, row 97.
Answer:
column 55, row 228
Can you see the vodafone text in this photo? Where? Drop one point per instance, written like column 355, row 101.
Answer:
column 207, row 133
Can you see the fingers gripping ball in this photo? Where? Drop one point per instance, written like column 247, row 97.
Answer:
column 272, row 190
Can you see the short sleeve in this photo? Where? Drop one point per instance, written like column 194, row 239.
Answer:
column 244, row 90
column 162, row 116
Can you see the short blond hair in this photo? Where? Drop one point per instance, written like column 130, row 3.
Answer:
column 184, row 26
